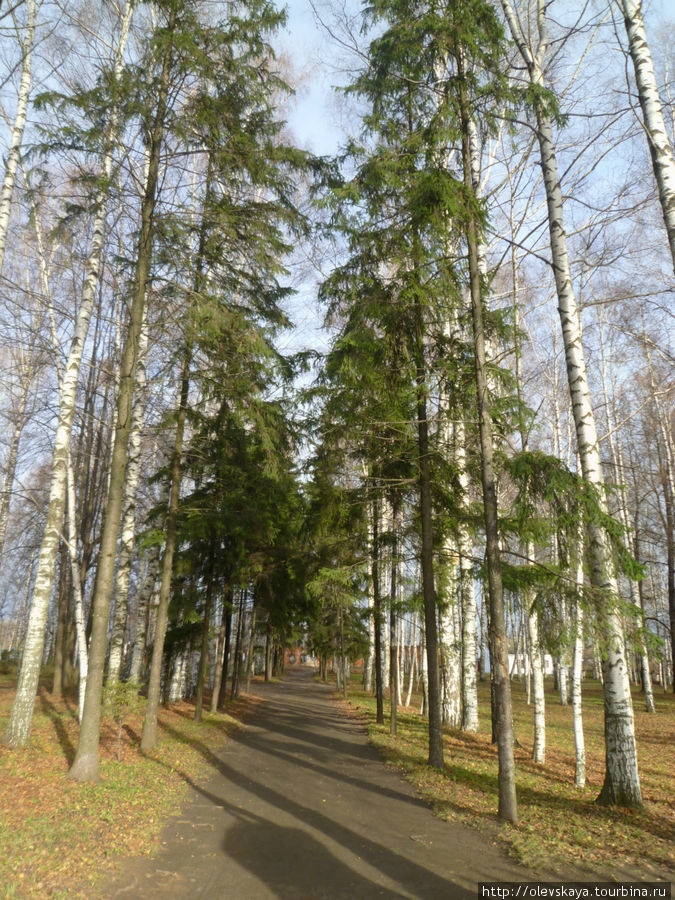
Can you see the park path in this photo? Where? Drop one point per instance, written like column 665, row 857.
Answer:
column 299, row 806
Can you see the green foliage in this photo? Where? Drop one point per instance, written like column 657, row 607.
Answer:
column 121, row 701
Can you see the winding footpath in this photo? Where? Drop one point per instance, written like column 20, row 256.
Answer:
column 300, row 807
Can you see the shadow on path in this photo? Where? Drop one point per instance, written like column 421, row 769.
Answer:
column 299, row 806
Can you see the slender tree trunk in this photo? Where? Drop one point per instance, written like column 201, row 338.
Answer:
column 19, row 416
column 128, row 532
column 86, row 764
column 508, row 809
column 12, row 162
column 622, row 783
column 393, row 665
column 61, row 627
column 413, row 662
column 369, row 663
column 268, row 651
column 663, row 161
column 222, row 694
column 143, row 598
column 251, row 648
column 539, row 746
column 427, row 558
column 424, row 677
column 377, row 613
column 206, row 633
column 451, row 712
column 78, row 602
column 18, row 728
column 621, row 477
column 579, row 745
column 218, row 672
column 149, row 736
column 236, row 666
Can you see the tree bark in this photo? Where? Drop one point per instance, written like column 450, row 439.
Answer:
column 427, row 553
column 622, row 783
column 149, row 736
column 393, row 663
column 86, row 764
column 377, row 613
column 18, row 728
column 507, row 808
column 18, row 128
column 206, row 630
column 128, row 532
column 579, row 744
column 663, row 161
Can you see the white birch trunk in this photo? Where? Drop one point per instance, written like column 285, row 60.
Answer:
column 622, row 783
column 620, row 475
column 663, row 161
column 579, row 745
column 143, row 607
column 78, row 604
column 10, row 466
column 369, row 674
column 451, row 707
column 128, row 531
column 539, row 745
column 18, row 128
column 18, row 728
column 413, row 660
column 563, row 658
column 424, row 673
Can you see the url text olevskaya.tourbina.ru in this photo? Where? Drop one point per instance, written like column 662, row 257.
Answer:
column 605, row 890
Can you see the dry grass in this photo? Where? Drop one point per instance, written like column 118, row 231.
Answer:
column 560, row 826
column 58, row 837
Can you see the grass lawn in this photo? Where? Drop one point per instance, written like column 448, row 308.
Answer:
column 559, row 824
column 57, row 838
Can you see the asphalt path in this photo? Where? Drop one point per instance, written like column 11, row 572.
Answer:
column 300, row 806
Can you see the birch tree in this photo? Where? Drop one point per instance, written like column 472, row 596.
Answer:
column 656, row 133
column 18, row 728
column 14, row 152
column 622, row 783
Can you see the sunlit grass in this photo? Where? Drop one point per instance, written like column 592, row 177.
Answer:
column 58, row 837
column 559, row 824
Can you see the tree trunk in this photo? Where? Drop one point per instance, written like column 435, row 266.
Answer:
column 86, row 764
column 393, row 643
column 663, row 161
column 219, row 660
column 222, row 694
column 539, row 746
column 427, row 558
column 622, row 783
column 62, row 623
column 18, row 728
column 149, row 736
column 17, row 129
column 251, row 648
column 507, row 809
column 451, row 712
column 143, row 597
column 413, row 661
column 236, row 667
column 128, row 532
column 579, row 745
column 206, row 631
column 19, row 416
column 78, row 603
column 377, row 613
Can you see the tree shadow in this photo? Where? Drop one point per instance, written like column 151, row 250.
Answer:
column 412, row 878
column 56, row 718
